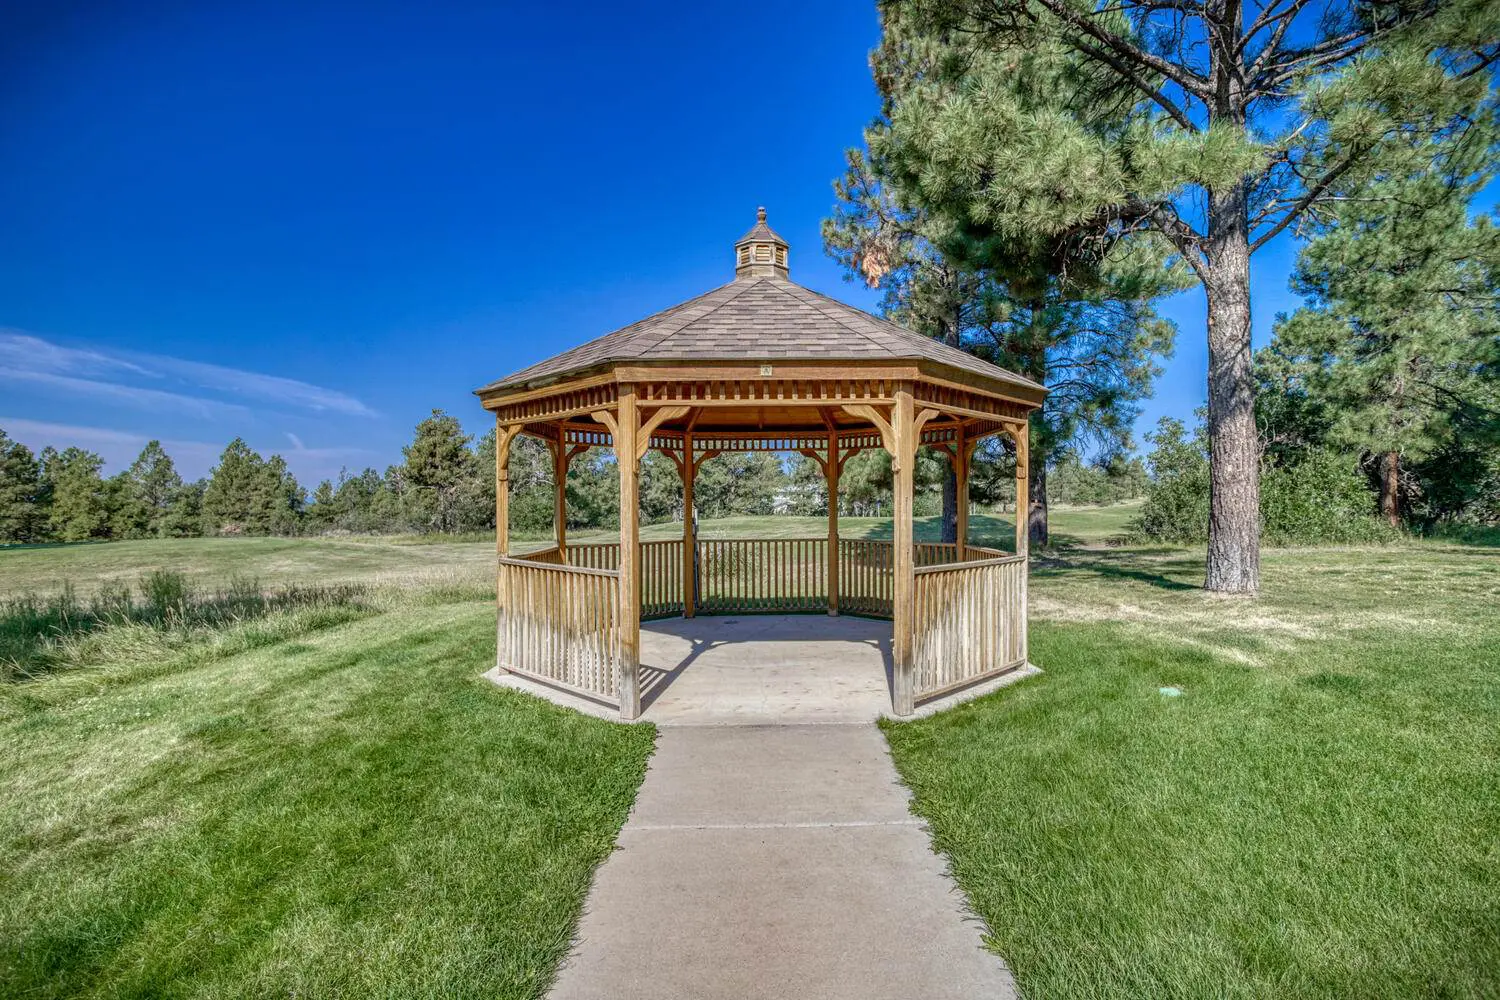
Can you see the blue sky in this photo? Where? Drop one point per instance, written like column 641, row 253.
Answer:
column 309, row 224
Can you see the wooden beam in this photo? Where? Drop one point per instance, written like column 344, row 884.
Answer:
column 1023, row 491
column 561, row 456
column 963, row 454
column 503, row 438
column 1023, row 527
column 625, row 426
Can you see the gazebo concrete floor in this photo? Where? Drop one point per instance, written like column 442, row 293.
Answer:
column 763, row 669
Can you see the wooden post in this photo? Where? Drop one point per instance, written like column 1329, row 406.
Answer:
column 627, row 424
column 963, row 453
column 502, row 490
column 831, row 476
column 1023, row 527
column 903, row 456
column 503, row 438
column 689, row 469
column 1023, row 489
column 560, row 490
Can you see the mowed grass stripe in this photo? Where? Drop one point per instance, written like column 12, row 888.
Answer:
column 356, row 813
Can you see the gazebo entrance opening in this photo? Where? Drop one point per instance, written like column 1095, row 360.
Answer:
column 761, row 364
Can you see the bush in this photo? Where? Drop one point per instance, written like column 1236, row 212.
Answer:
column 1176, row 507
column 1322, row 498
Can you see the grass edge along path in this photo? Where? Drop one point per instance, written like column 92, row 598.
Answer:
column 1322, row 826
column 354, row 813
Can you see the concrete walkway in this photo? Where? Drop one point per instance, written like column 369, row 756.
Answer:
column 776, row 861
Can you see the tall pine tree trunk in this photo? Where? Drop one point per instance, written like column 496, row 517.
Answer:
column 1036, row 517
column 1390, row 487
column 1234, row 447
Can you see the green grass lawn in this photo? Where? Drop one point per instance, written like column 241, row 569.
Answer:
column 1317, row 815
column 331, row 801
column 349, row 811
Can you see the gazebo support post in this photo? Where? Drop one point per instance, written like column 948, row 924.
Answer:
column 1023, row 525
column 1023, row 489
column 831, row 475
column 627, row 424
column 963, row 452
column 903, row 455
column 689, row 469
column 503, row 438
column 560, row 491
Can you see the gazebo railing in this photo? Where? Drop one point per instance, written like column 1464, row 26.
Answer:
column 968, row 622
column 740, row 575
column 560, row 624
column 560, row 609
column 764, row 575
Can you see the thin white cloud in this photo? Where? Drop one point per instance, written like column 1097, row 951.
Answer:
column 155, row 400
column 267, row 388
column 23, row 352
column 25, row 356
column 118, row 448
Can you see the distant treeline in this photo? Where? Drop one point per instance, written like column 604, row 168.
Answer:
column 446, row 484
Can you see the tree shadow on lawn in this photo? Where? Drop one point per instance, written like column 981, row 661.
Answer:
column 1121, row 566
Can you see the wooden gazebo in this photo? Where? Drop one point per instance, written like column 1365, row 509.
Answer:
column 760, row 364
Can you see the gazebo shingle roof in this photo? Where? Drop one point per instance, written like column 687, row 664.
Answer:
column 756, row 319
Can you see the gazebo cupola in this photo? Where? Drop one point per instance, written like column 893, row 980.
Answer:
column 760, row 253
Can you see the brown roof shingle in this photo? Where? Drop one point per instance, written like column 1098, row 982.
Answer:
column 756, row 319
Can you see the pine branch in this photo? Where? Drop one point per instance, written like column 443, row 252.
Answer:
column 1134, row 79
column 1130, row 52
column 1313, row 192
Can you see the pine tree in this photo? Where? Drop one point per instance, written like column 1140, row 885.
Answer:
column 439, row 466
column 1086, row 329
column 183, row 517
column 1015, row 120
column 1401, row 339
column 145, row 493
column 232, row 503
column 79, row 509
column 21, row 517
column 359, row 500
column 280, row 499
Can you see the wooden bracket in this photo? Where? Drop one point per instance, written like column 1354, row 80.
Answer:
column 882, row 425
column 643, row 437
column 504, row 436
column 918, row 423
column 812, row 454
column 607, row 418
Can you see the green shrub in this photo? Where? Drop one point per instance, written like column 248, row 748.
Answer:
column 1176, row 507
column 1321, row 498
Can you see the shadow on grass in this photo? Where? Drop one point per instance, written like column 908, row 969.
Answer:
column 1111, row 566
